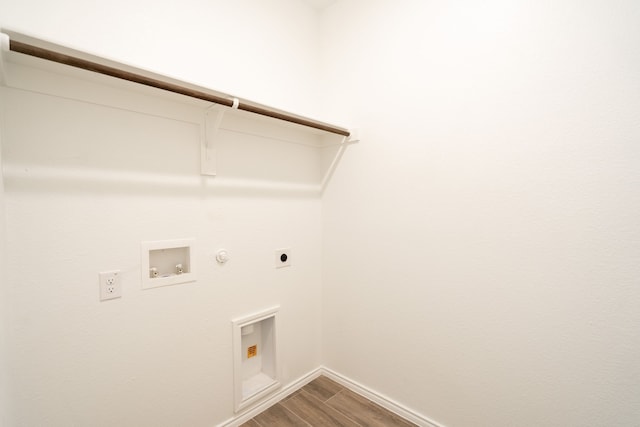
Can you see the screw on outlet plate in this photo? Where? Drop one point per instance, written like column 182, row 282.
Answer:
column 283, row 258
column 110, row 286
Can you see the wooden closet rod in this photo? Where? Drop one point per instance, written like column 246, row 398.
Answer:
column 28, row 49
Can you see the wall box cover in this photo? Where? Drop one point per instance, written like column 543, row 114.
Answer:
column 255, row 357
column 167, row 262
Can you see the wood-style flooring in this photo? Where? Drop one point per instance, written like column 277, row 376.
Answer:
column 324, row 402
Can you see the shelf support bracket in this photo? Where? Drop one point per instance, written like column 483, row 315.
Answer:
column 208, row 155
column 353, row 138
column 208, row 149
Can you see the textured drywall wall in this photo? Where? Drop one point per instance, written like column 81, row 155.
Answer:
column 83, row 189
column 481, row 244
column 4, row 305
column 95, row 170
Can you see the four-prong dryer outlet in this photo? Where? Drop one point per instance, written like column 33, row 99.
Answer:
column 283, row 258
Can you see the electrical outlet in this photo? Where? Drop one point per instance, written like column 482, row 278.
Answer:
column 283, row 258
column 110, row 286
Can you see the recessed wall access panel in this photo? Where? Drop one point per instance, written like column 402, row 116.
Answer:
column 167, row 262
column 255, row 357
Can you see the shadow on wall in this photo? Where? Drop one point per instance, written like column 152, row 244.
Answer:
column 98, row 146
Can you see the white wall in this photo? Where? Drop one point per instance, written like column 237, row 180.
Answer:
column 481, row 244
column 88, row 176
column 4, row 392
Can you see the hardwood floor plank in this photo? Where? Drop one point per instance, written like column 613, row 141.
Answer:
column 316, row 413
column 250, row 423
column 278, row 416
column 294, row 394
column 323, row 388
column 365, row 412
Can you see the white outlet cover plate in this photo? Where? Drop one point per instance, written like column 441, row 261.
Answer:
column 110, row 285
column 283, row 254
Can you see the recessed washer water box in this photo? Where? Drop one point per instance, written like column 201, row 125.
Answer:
column 167, row 262
column 255, row 357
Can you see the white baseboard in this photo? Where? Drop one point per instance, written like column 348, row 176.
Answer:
column 284, row 392
column 380, row 399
